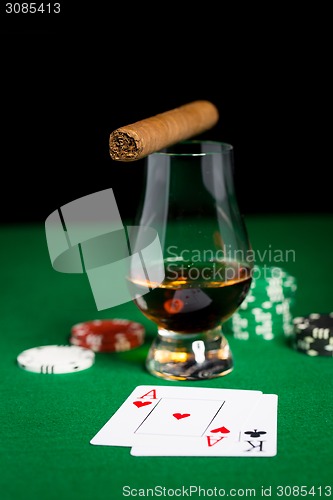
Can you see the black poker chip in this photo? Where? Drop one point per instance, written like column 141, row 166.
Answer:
column 313, row 334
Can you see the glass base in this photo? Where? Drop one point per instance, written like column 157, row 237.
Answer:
column 175, row 356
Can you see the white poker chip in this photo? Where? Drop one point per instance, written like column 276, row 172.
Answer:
column 56, row 359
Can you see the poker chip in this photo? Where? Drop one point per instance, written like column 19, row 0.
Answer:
column 267, row 310
column 313, row 334
column 108, row 335
column 56, row 359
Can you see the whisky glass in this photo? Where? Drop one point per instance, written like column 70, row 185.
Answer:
column 189, row 200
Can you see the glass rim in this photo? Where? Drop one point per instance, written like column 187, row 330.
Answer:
column 225, row 148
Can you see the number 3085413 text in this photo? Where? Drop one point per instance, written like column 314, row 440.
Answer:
column 32, row 8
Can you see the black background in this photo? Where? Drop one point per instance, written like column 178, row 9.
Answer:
column 67, row 83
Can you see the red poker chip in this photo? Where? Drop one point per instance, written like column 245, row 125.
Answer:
column 96, row 346
column 108, row 335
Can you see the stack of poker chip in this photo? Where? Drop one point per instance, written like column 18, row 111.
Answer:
column 267, row 310
column 108, row 335
column 313, row 334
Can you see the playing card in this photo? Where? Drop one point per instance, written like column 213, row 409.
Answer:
column 180, row 417
column 256, row 438
column 167, row 411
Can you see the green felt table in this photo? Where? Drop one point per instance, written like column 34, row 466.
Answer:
column 47, row 421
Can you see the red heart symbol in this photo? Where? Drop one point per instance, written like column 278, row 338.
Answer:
column 139, row 404
column 221, row 429
column 178, row 416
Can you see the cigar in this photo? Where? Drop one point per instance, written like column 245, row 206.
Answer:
column 139, row 139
